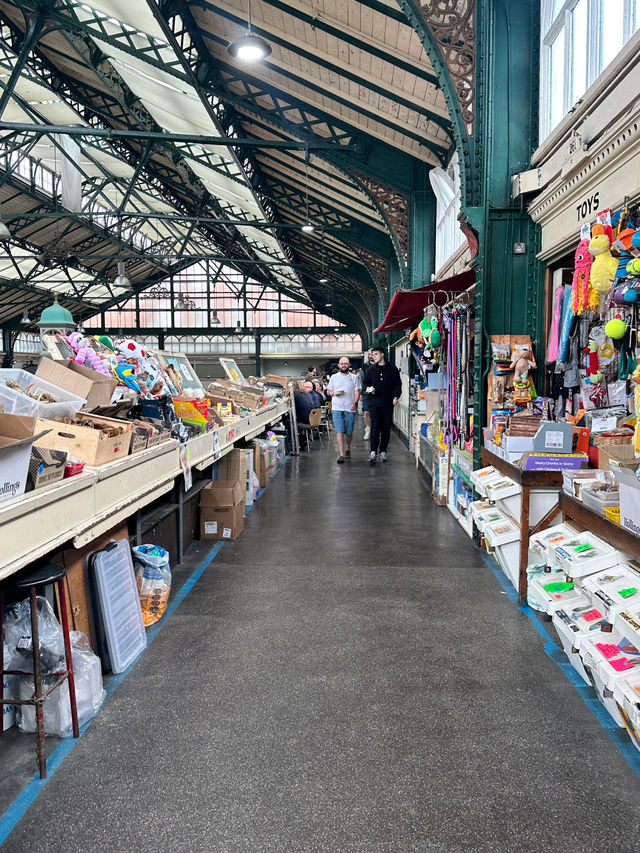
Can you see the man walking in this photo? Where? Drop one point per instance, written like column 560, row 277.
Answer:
column 383, row 386
column 344, row 390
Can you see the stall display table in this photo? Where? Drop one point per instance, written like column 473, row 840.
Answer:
column 527, row 480
column 619, row 537
column 80, row 508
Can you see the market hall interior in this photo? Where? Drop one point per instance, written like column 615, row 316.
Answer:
column 335, row 681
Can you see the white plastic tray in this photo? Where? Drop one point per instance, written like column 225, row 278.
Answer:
column 613, row 590
column 584, row 554
column 119, row 604
column 16, row 403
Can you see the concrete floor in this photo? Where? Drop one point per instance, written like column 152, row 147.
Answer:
column 347, row 676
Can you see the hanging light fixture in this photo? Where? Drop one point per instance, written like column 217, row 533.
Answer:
column 249, row 48
column 323, row 278
column 215, row 320
column 238, row 326
column 180, row 303
column 308, row 225
column 121, row 279
column 25, row 320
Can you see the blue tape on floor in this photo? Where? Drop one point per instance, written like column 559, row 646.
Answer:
column 19, row 806
column 618, row 736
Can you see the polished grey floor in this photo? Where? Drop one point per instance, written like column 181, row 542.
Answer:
column 347, row 676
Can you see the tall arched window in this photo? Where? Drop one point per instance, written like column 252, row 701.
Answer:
column 579, row 38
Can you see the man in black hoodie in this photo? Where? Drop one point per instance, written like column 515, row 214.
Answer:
column 383, row 385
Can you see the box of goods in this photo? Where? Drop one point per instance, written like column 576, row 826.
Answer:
column 22, row 393
column 9, row 688
column 574, row 623
column 619, row 455
column 139, row 438
column 222, row 510
column 603, row 420
column 261, row 462
column 16, row 440
column 541, row 544
column 46, row 466
column 599, row 496
column 623, row 436
column 80, row 380
column 553, row 461
column 73, row 466
column 626, row 694
column 235, row 465
column 629, row 499
column 483, row 512
column 482, row 476
column 272, row 379
column 609, row 659
column 584, row 554
column 574, row 481
column 504, row 538
column 554, row 591
column 613, row 590
column 158, row 431
column 91, row 438
column 249, row 398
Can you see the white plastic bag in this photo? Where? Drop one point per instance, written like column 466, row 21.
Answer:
column 17, row 637
column 90, row 695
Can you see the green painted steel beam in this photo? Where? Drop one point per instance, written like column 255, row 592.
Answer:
column 162, row 136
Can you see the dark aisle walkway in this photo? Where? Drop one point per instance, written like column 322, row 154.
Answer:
column 347, row 676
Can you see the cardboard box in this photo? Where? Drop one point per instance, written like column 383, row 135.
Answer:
column 46, row 466
column 16, row 440
column 236, row 465
column 618, row 454
column 223, row 522
column 222, row 493
column 629, row 499
column 90, row 445
column 96, row 388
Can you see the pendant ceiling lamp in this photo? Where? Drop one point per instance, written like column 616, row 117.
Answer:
column 25, row 319
column 215, row 320
column 323, row 278
column 308, row 225
column 121, row 279
column 249, row 48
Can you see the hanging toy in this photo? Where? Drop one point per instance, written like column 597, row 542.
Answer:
column 522, row 362
column 581, row 288
column 599, row 395
column 106, row 341
column 604, row 266
column 615, row 329
column 594, row 374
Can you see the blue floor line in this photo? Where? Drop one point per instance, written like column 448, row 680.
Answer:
column 618, row 736
column 32, row 789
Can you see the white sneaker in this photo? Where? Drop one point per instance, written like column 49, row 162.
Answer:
column 372, row 458
column 367, row 433
column 383, row 456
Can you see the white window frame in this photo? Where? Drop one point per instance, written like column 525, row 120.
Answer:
column 551, row 27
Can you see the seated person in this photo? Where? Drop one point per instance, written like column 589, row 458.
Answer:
column 303, row 403
column 313, row 393
column 317, row 387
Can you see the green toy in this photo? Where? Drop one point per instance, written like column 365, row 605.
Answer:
column 429, row 331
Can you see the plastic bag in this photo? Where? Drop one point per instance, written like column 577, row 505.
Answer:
column 90, row 695
column 153, row 576
column 17, row 637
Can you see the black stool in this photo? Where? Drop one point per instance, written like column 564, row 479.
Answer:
column 47, row 574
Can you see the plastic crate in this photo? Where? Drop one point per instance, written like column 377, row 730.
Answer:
column 16, row 403
column 612, row 513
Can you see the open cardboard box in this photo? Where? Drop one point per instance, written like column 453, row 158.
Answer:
column 96, row 388
column 90, row 445
column 16, row 439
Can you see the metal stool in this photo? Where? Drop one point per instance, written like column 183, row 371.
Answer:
column 47, row 574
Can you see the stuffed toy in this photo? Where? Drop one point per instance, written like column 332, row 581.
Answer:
column 522, row 362
column 605, row 266
column 594, row 374
column 583, row 295
column 86, row 355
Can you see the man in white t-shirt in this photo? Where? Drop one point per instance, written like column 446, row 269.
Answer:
column 344, row 390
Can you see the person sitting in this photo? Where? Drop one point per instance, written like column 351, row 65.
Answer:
column 304, row 404
column 316, row 394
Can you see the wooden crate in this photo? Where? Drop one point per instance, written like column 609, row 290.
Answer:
column 86, row 443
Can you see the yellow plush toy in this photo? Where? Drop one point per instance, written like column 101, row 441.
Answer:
column 604, row 266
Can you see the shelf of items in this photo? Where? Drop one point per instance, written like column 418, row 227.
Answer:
column 80, row 508
column 615, row 535
column 527, row 480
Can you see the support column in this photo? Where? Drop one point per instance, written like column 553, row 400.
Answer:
column 7, row 346
column 509, row 286
column 258, row 354
column 422, row 229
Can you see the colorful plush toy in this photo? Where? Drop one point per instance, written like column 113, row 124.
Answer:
column 583, row 295
column 86, row 355
column 604, row 267
column 125, row 374
column 594, row 374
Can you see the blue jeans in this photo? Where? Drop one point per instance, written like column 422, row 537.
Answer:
column 344, row 421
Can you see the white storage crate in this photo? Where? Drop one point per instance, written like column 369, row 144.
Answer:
column 553, row 592
column 541, row 544
column 626, row 694
column 16, row 403
column 610, row 658
column 572, row 625
column 584, row 554
column 613, row 590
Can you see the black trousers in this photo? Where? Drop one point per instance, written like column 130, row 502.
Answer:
column 381, row 421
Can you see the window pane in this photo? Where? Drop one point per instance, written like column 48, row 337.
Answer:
column 611, row 30
column 556, row 83
column 579, row 43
